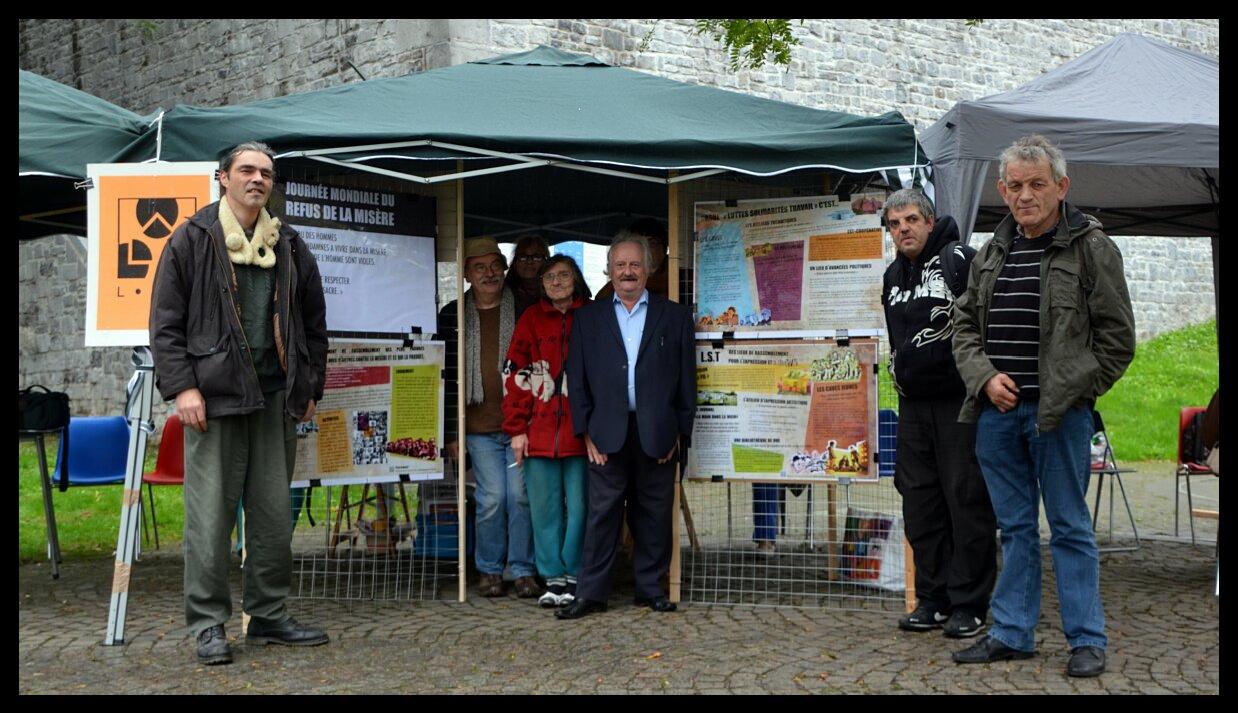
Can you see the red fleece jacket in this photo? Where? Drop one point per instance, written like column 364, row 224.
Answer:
column 534, row 386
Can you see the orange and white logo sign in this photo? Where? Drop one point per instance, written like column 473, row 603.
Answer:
column 132, row 211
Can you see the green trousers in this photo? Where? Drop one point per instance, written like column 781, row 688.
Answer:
column 251, row 456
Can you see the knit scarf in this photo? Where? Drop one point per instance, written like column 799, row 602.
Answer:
column 259, row 250
column 474, row 394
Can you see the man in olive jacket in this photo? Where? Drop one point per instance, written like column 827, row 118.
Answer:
column 238, row 332
column 1044, row 328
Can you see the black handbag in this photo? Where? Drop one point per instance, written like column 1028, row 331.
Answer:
column 46, row 411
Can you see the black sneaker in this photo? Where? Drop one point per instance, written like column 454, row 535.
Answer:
column 924, row 618
column 963, row 625
column 213, row 646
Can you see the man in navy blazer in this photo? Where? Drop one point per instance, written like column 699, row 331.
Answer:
column 631, row 377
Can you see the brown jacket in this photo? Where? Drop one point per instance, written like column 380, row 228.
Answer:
column 195, row 324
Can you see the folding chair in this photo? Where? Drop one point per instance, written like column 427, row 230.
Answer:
column 99, row 452
column 1186, row 468
column 169, row 466
column 1108, row 465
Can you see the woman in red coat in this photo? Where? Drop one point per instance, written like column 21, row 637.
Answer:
column 537, row 417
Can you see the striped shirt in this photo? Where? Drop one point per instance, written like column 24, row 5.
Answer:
column 1012, row 342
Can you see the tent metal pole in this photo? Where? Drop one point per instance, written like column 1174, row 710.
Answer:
column 461, row 508
column 351, row 149
column 610, row 172
column 486, row 171
column 372, row 169
column 675, row 575
column 693, row 176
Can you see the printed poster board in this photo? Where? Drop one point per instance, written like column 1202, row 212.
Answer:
column 785, row 411
column 380, row 419
column 791, row 264
column 375, row 252
column 131, row 212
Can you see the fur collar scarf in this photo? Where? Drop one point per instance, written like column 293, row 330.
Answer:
column 259, row 250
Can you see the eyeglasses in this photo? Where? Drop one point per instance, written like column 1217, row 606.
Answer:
column 529, row 258
column 552, row 277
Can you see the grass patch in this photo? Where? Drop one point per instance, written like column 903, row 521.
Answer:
column 1176, row 369
column 87, row 518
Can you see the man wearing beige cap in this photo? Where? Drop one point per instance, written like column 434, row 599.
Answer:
column 504, row 530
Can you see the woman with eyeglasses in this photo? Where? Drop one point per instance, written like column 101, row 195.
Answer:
column 537, row 417
column 527, row 258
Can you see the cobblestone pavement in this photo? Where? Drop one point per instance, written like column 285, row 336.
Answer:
column 1162, row 624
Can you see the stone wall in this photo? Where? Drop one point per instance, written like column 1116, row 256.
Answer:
column 918, row 67
column 51, row 317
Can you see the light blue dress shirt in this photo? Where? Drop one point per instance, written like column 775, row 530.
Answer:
column 631, row 327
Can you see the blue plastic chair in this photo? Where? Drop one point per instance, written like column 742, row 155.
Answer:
column 887, row 441
column 99, row 450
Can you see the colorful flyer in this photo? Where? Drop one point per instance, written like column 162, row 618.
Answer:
column 791, row 411
column 380, row 418
column 132, row 210
column 792, row 264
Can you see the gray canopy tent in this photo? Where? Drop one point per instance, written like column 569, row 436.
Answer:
column 1137, row 120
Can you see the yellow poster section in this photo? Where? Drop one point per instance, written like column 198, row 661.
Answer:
column 334, row 451
column 755, row 460
column 860, row 245
column 753, row 378
column 414, row 402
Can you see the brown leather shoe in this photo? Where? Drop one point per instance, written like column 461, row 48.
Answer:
column 526, row 588
column 490, row 585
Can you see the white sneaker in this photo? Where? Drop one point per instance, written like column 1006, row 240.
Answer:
column 553, row 596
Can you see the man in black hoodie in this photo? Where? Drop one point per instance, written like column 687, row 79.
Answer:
column 946, row 507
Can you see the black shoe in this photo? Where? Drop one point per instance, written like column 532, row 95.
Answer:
column 1086, row 662
column 988, row 650
column 963, row 625
column 579, row 608
column 213, row 646
column 925, row 618
column 287, row 632
column 659, row 603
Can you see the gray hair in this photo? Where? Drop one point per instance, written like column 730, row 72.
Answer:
column 910, row 197
column 1034, row 149
column 225, row 163
column 628, row 236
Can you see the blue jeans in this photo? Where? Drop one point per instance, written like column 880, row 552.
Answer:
column 503, row 527
column 765, row 512
column 1018, row 463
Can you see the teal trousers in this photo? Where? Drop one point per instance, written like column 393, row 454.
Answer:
column 558, row 504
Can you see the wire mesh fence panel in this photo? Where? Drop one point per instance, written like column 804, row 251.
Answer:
column 826, row 545
column 394, row 541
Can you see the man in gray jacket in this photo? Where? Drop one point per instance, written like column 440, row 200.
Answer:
column 1044, row 328
column 239, row 336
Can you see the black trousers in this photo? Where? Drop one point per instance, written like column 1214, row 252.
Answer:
column 946, row 507
column 649, row 489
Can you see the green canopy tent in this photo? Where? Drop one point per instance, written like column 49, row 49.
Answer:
column 60, row 130
column 544, row 107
